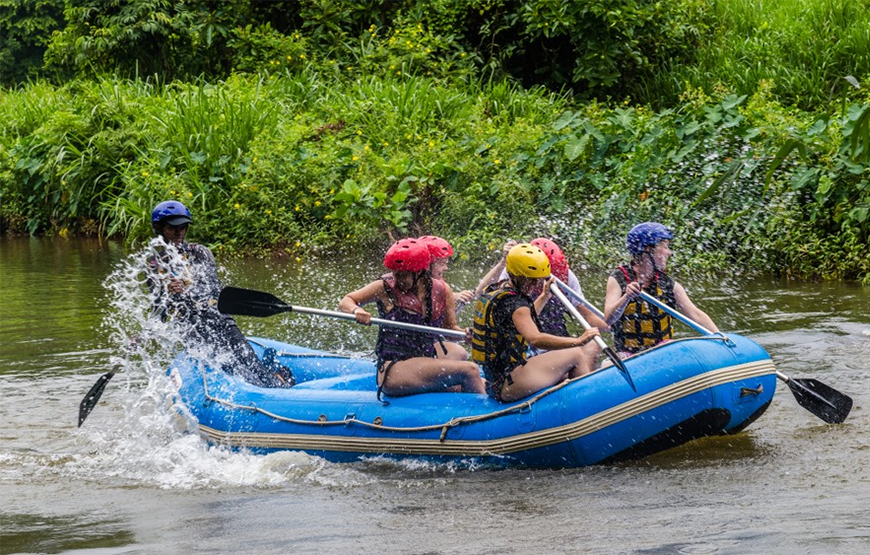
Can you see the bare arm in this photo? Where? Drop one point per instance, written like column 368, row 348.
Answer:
column 687, row 307
column 615, row 300
column 492, row 276
column 352, row 302
column 594, row 320
column 522, row 318
column 450, row 312
column 544, row 297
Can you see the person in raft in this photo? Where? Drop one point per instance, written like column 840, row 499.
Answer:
column 638, row 325
column 441, row 251
column 183, row 281
column 552, row 315
column 506, row 324
column 409, row 361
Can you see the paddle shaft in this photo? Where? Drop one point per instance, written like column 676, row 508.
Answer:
column 676, row 314
column 598, row 340
column 576, row 313
column 379, row 322
column 825, row 402
column 579, row 298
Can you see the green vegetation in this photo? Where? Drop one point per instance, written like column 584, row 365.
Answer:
column 324, row 123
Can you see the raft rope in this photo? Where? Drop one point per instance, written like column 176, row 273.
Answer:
column 444, row 427
column 378, row 424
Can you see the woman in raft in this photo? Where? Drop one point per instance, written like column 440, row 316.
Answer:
column 506, row 324
column 412, row 362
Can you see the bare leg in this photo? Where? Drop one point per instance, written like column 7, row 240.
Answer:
column 547, row 369
column 455, row 351
column 422, row 375
column 591, row 352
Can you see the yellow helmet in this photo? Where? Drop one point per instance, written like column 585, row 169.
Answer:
column 528, row 261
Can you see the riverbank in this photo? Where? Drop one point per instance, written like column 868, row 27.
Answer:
column 302, row 161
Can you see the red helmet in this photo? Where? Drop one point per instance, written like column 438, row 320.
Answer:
column 558, row 263
column 407, row 255
column 438, row 247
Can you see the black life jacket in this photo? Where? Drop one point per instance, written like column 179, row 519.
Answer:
column 497, row 349
column 401, row 344
column 643, row 325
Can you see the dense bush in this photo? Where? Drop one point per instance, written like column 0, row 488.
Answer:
column 312, row 159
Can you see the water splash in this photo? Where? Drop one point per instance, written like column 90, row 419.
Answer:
column 151, row 441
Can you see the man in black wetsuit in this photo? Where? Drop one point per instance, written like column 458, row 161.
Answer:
column 183, row 279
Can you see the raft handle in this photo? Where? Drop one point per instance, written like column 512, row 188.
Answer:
column 744, row 391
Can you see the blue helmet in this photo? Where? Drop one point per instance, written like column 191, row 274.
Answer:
column 646, row 234
column 170, row 212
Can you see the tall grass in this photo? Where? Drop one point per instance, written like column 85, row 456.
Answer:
column 804, row 47
column 308, row 160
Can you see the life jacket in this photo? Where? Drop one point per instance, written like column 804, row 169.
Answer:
column 401, row 344
column 643, row 325
column 498, row 348
column 196, row 268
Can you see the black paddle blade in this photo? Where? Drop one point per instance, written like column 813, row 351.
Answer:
column 93, row 396
column 825, row 402
column 621, row 365
column 247, row 302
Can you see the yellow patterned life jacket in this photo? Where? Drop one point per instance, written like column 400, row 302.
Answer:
column 643, row 325
column 497, row 347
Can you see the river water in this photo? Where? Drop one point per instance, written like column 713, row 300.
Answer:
column 130, row 480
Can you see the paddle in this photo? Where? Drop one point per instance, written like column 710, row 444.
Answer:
column 579, row 297
column 604, row 347
column 825, row 402
column 247, row 302
column 96, row 391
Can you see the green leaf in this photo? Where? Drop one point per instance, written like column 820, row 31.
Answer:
column 818, row 127
column 728, row 176
column 575, row 147
column 732, row 101
column 565, row 120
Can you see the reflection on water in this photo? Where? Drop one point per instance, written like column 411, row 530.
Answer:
column 42, row 534
column 133, row 479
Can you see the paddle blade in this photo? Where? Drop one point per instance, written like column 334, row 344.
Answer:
column 247, row 302
column 93, row 396
column 621, row 365
column 825, row 402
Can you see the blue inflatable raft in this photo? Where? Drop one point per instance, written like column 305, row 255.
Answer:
column 685, row 389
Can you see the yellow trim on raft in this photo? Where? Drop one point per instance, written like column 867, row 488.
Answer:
column 500, row 446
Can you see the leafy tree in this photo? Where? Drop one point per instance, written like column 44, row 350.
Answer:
column 169, row 38
column 25, row 29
